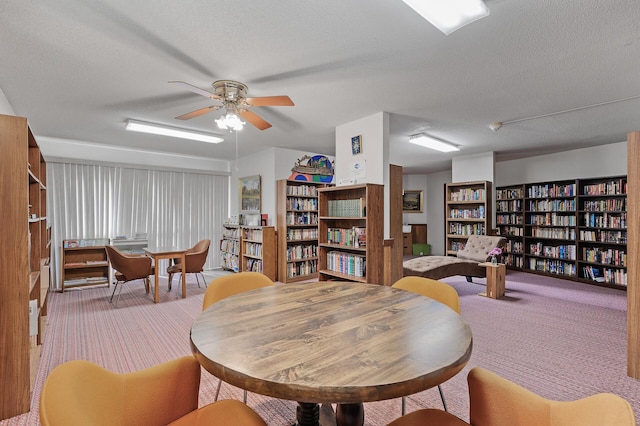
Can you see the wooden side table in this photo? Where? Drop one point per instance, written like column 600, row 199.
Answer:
column 495, row 279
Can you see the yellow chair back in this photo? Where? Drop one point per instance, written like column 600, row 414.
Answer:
column 436, row 290
column 228, row 285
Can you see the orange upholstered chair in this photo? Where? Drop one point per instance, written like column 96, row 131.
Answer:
column 495, row 401
column 195, row 258
column 436, row 290
column 79, row 393
column 228, row 285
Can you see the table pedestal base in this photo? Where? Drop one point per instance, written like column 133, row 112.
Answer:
column 309, row 414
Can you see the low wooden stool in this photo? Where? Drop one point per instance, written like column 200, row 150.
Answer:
column 495, row 279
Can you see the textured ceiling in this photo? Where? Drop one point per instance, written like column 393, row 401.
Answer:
column 78, row 69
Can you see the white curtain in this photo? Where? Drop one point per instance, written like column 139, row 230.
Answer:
column 175, row 209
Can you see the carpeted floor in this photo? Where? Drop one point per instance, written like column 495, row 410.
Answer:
column 560, row 339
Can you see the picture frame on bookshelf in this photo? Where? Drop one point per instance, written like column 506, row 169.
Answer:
column 250, row 193
column 412, row 201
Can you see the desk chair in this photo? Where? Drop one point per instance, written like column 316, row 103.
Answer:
column 195, row 259
column 228, row 285
column 79, row 393
column 436, row 290
column 495, row 401
column 128, row 268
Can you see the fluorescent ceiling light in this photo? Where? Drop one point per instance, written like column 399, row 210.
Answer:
column 449, row 15
column 157, row 129
column 433, row 143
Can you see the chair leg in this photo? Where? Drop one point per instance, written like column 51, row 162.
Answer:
column 170, row 279
column 444, row 404
column 203, row 280
column 119, row 293
column 404, row 406
column 218, row 390
column 146, row 284
column 115, row 287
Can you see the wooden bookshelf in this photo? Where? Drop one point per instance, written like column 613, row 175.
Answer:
column 230, row 246
column 468, row 211
column 510, row 223
column 297, row 221
column 259, row 250
column 344, row 212
column 84, row 263
column 24, row 263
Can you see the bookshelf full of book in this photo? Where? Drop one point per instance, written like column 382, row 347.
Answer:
column 468, row 211
column 230, row 246
column 258, row 250
column 297, row 221
column 350, row 232
column 572, row 228
column 84, row 262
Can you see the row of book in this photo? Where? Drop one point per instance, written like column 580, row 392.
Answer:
column 612, row 237
column 346, row 263
column 614, row 187
column 346, row 208
column 230, row 246
column 505, row 194
column 302, row 204
column 230, row 261
column 552, row 190
column 253, row 234
column 509, row 219
column 467, row 229
column 608, row 205
column 605, row 220
column 605, row 256
column 552, row 219
column 302, row 218
column 302, row 190
column 85, row 280
column 554, row 233
column 514, row 247
column 253, row 249
column 253, row 265
column 552, row 206
column 567, row 252
column 96, row 242
column 302, row 234
column 509, row 206
column 468, row 194
column 299, row 269
column 231, row 233
column 515, row 231
column 302, row 251
column 514, row 261
column 349, row 237
column 456, row 245
column 477, row 213
column 553, row 266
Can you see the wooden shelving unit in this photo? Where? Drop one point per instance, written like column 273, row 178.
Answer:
column 345, row 213
column 468, row 211
column 84, row 263
column 510, row 223
column 297, row 221
column 24, row 263
column 230, row 246
column 259, row 250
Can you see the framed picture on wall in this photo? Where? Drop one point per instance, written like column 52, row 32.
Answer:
column 250, row 194
column 356, row 145
column 412, row 201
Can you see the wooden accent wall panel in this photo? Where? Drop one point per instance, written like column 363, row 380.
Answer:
column 633, row 251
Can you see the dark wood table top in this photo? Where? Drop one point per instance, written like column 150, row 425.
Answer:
column 336, row 342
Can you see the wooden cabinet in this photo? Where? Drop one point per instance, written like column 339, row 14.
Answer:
column 297, row 221
column 351, row 227
column 24, row 262
column 510, row 223
column 230, row 247
column 468, row 211
column 407, row 243
column 259, row 250
column 84, row 263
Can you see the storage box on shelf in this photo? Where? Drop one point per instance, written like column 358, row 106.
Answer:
column 468, row 211
column 297, row 221
column 230, row 246
column 351, row 221
column 510, row 223
column 259, row 250
column 84, row 262
column 24, row 263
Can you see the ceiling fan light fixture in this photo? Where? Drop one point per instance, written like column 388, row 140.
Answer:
column 230, row 121
column 432, row 143
column 450, row 15
column 176, row 132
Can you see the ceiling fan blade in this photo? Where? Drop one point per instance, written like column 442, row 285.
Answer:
column 195, row 89
column 270, row 101
column 254, row 119
column 198, row 112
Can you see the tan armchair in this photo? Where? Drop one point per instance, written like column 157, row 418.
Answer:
column 195, row 258
column 79, row 393
column 128, row 268
column 495, row 401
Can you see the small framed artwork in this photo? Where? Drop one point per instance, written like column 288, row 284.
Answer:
column 356, row 145
column 412, row 201
column 250, row 194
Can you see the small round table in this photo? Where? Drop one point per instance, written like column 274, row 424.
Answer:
column 331, row 342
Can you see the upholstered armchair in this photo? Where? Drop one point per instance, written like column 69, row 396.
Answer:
column 80, row 393
column 128, row 268
column 195, row 258
column 495, row 401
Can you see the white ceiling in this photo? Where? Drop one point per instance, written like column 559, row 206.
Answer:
column 78, row 69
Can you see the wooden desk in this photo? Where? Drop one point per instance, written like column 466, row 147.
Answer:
column 158, row 253
column 333, row 342
column 496, row 275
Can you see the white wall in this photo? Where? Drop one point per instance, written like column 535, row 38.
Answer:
column 435, row 210
column 5, row 106
column 471, row 168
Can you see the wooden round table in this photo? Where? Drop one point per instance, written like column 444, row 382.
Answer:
column 331, row 342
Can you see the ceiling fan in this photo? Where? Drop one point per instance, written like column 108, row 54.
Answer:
column 233, row 95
